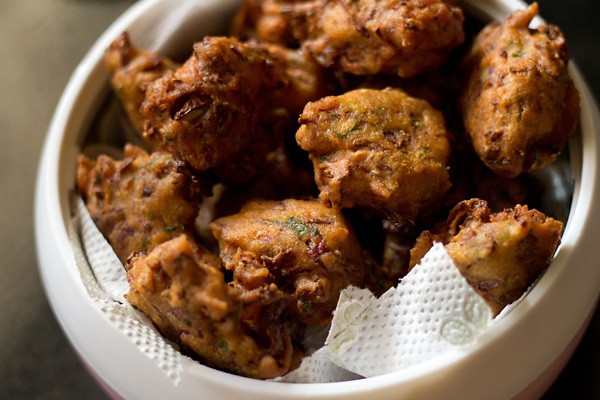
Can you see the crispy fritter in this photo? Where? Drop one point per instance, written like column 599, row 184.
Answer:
column 213, row 111
column 132, row 70
column 379, row 149
column 519, row 103
column 500, row 254
column 140, row 201
column 182, row 289
column 383, row 36
column 274, row 21
column 304, row 247
column 359, row 37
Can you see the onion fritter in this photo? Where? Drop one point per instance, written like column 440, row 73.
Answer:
column 132, row 70
column 359, row 37
column 379, row 149
column 306, row 248
column 181, row 287
column 499, row 254
column 519, row 103
column 274, row 21
column 213, row 112
column 384, row 36
column 140, row 201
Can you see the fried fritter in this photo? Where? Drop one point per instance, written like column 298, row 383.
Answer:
column 132, row 70
column 459, row 215
column 304, row 247
column 379, row 149
column 359, row 37
column 140, row 201
column 213, row 112
column 274, row 21
column 500, row 254
column 519, row 103
column 383, row 36
column 182, row 289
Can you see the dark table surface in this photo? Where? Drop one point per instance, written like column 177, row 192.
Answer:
column 41, row 42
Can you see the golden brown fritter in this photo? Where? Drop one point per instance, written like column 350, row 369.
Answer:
column 132, row 70
column 519, row 103
column 274, row 21
column 213, row 111
column 461, row 214
column 383, row 36
column 379, row 149
column 499, row 254
column 359, row 37
column 140, row 201
column 182, row 289
column 306, row 248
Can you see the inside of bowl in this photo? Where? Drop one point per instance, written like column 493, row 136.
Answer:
column 108, row 128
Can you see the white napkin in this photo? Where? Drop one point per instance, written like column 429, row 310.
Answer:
column 105, row 265
column 432, row 310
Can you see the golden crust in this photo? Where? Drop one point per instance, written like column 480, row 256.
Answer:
column 306, row 248
column 366, row 37
column 210, row 111
column 519, row 103
column 140, row 201
column 181, row 287
column 500, row 254
column 132, row 71
column 380, row 149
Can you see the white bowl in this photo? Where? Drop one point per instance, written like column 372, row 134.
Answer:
column 519, row 357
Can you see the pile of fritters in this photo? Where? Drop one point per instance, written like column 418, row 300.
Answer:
column 344, row 138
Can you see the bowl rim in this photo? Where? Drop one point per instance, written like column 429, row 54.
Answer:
column 523, row 331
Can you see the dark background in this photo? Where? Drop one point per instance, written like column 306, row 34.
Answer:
column 41, row 42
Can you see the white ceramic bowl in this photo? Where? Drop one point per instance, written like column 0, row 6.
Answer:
column 519, row 357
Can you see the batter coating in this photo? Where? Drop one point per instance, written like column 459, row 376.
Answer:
column 519, row 103
column 140, row 201
column 213, row 112
column 384, row 36
column 274, row 21
column 360, row 37
column 181, row 287
column 132, row 70
column 379, row 149
column 499, row 254
column 304, row 247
